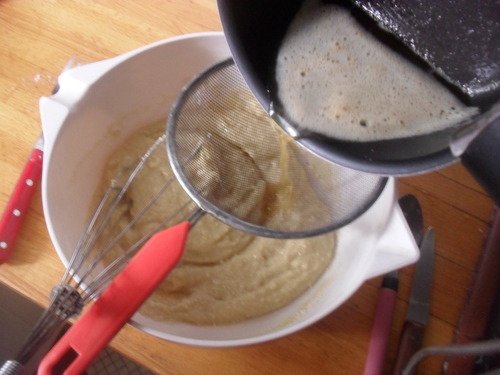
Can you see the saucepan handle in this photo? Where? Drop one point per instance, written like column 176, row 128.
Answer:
column 76, row 350
column 482, row 159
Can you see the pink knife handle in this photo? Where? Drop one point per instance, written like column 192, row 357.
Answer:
column 90, row 334
column 16, row 209
column 410, row 343
column 380, row 332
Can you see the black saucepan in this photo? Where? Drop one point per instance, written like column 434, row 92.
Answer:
column 254, row 30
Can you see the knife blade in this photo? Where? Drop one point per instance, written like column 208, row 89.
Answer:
column 417, row 316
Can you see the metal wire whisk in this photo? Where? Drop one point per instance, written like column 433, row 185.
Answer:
column 83, row 279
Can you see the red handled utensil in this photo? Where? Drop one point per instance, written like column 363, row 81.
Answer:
column 19, row 202
column 16, row 209
column 91, row 333
column 386, row 303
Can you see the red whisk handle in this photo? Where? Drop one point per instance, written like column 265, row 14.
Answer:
column 91, row 333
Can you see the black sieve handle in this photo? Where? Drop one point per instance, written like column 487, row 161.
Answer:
column 482, row 160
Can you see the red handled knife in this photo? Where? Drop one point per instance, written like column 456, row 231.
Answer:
column 17, row 207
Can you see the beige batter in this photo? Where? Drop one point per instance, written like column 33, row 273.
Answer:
column 225, row 275
column 335, row 78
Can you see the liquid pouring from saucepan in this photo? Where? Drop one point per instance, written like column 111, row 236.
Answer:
column 336, row 78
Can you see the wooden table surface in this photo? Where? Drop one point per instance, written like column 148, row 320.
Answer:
column 36, row 39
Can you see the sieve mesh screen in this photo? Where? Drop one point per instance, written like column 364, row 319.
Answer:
column 238, row 166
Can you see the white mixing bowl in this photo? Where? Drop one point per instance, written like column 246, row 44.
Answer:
column 100, row 104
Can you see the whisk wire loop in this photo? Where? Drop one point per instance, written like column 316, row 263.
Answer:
column 82, row 281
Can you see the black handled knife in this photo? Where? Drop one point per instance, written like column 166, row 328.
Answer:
column 418, row 313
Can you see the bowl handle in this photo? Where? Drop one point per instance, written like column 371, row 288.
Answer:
column 396, row 247
column 52, row 116
column 73, row 84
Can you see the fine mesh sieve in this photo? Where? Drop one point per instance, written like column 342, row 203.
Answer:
column 236, row 165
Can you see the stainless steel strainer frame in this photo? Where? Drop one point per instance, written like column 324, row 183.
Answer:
column 227, row 217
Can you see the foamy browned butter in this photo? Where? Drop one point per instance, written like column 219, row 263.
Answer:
column 337, row 79
column 225, row 275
